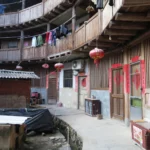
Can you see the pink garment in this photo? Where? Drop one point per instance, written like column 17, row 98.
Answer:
column 50, row 38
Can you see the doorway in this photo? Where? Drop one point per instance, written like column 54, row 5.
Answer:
column 52, row 91
column 117, row 95
column 136, row 92
column 82, row 93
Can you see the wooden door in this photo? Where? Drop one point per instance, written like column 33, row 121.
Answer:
column 117, row 96
column 52, row 91
column 82, row 93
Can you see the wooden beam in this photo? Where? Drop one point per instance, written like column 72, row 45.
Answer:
column 93, row 44
column 126, row 25
column 10, row 31
column 114, row 32
column 125, row 38
column 45, row 19
column 106, row 39
column 141, row 37
column 52, row 14
column 56, row 11
column 131, row 3
column 61, row 7
column 59, row 16
column 137, row 17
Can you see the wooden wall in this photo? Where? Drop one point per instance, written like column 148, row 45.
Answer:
column 100, row 75
column 15, row 87
column 42, row 74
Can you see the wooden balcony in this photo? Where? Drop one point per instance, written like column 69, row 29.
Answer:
column 9, row 55
column 29, row 14
column 34, row 53
column 62, row 45
column 88, row 32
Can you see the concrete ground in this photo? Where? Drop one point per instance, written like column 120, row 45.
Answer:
column 105, row 134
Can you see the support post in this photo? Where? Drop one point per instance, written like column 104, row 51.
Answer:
column 73, row 25
column 21, row 44
column 23, row 4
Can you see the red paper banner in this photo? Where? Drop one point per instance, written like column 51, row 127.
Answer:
column 143, row 76
column 135, row 59
column 116, row 66
column 127, row 78
column 110, row 80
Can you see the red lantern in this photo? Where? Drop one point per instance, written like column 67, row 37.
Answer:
column 96, row 54
column 45, row 66
column 59, row 66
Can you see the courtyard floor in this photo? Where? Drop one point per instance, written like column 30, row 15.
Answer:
column 105, row 134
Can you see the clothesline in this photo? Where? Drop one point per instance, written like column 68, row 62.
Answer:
column 26, row 37
column 54, row 28
column 10, row 3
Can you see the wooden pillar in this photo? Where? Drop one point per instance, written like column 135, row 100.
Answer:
column 48, row 27
column 21, row 44
column 73, row 25
column 23, row 4
column 126, row 95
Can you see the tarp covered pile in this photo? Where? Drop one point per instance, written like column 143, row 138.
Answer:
column 40, row 121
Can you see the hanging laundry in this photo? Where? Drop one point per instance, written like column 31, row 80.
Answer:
column 63, row 30
column 47, row 37
column 99, row 4
column 50, row 38
column 54, row 37
column 34, row 42
column 57, row 30
column 39, row 40
column 111, row 2
column 2, row 9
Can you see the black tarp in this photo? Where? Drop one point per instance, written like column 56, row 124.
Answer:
column 40, row 121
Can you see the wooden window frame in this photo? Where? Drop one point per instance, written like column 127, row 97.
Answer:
column 68, row 79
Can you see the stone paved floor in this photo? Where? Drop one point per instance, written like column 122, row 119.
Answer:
column 105, row 134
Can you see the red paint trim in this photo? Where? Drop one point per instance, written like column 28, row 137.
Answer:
column 110, row 80
column 114, row 66
column 126, row 70
column 135, row 59
column 76, row 84
column 143, row 76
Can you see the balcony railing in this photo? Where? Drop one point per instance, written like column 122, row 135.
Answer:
column 84, row 34
column 63, row 44
column 28, row 14
column 9, row 55
column 34, row 53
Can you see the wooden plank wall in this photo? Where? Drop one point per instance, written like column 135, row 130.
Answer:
column 10, row 55
column 100, row 75
column 62, row 44
column 146, row 48
column 30, row 53
column 40, row 83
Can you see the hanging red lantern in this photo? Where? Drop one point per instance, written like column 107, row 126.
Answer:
column 96, row 54
column 59, row 66
column 45, row 66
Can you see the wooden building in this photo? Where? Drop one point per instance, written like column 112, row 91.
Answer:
column 121, row 29
column 15, row 88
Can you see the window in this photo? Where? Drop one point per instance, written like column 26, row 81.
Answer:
column 68, row 78
column 13, row 44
